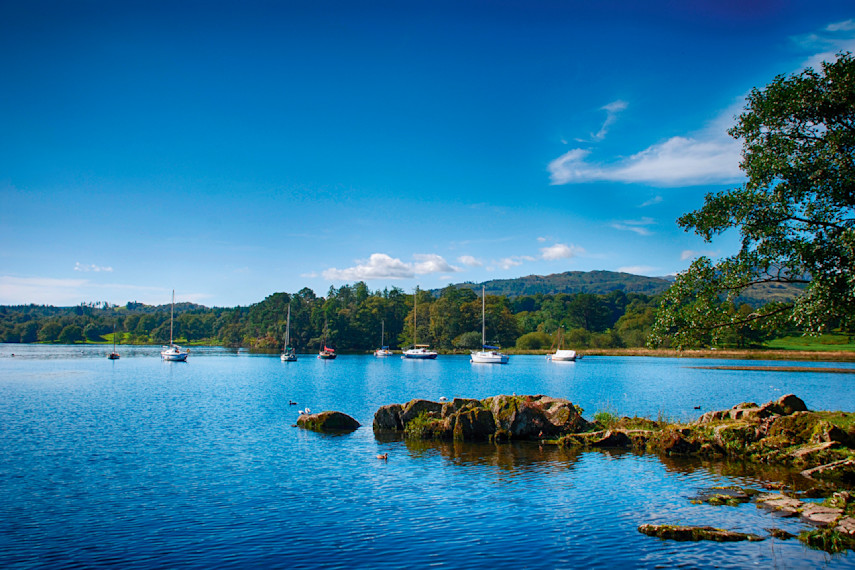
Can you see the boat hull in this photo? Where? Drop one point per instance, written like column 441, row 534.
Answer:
column 563, row 356
column 382, row 352
column 174, row 354
column 180, row 357
column 288, row 358
column 489, row 358
column 420, row 354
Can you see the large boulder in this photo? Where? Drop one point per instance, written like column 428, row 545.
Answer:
column 412, row 409
column 498, row 417
column 388, row 418
column 327, row 422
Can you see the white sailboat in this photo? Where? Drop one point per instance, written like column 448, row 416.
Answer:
column 383, row 350
column 288, row 352
column 561, row 355
column 419, row 351
column 487, row 354
column 173, row 352
column 114, row 355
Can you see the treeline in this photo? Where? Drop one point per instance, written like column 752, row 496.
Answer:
column 350, row 318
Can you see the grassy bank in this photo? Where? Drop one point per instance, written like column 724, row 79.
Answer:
column 745, row 354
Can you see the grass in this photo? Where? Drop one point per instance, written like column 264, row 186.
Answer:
column 826, row 342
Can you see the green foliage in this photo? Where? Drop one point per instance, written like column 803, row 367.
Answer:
column 70, row 334
column 534, row 341
column 794, row 215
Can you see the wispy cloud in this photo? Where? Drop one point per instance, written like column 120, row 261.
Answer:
column 612, row 110
column 561, row 251
column 637, row 226
column 383, row 266
column 691, row 254
column 15, row 290
column 652, row 201
column 469, row 261
column 710, row 157
column 86, row 268
column 827, row 43
column 513, row 261
column 638, row 269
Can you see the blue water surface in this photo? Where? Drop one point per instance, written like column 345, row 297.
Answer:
column 143, row 463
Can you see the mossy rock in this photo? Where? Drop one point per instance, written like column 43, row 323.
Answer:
column 328, row 422
column 696, row 533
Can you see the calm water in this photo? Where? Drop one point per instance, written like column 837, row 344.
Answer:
column 142, row 463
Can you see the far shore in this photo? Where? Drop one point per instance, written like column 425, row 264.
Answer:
column 722, row 353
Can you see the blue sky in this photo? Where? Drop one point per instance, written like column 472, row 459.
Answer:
column 230, row 150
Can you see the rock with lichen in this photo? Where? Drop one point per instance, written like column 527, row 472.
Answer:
column 327, row 422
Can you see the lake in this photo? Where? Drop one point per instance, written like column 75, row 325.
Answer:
column 144, row 463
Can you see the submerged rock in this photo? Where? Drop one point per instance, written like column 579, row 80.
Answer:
column 696, row 533
column 327, row 422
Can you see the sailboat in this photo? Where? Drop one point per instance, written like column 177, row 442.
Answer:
column 114, row 355
column 326, row 353
column 487, row 354
column 419, row 351
column 383, row 350
column 173, row 352
column 288, row 352
column 562, row 355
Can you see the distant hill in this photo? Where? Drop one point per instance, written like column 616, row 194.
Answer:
column 604, row 282
column 570, row 282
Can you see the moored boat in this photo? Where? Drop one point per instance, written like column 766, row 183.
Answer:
column 419, row 351
column 173, row 352
column 560, row 354
column 288, row 352
column 488, row 354
column 383, row 350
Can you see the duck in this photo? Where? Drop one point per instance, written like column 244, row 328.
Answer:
column 383, row 456
column 443, row 399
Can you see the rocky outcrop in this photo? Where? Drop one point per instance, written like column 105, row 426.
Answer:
column 327, row 422
column 499, row 418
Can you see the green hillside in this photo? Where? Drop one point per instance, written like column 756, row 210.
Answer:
column 571, row 282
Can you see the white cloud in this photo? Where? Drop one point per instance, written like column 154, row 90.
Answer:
column 432, row 263
column 690, row 254
column 95, row 268
column 612, row 110
column 383, row 266
column 637, row 226
column 541, row 239
column 652, row 201
column 707, row 158
column 834, row 38
column 846, row 26
column 561, row 251
column 513, row 261
column 638, row 269
column 469, row 261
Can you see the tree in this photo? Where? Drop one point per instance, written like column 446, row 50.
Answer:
column 70, row 334
column 795, row 215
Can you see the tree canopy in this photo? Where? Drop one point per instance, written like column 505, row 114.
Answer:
column 795, row 215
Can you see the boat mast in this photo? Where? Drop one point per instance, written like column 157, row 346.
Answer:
column 415, row 298
column 382, row 332
column 483, row 318
column 288, row 328
column 171, row 316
